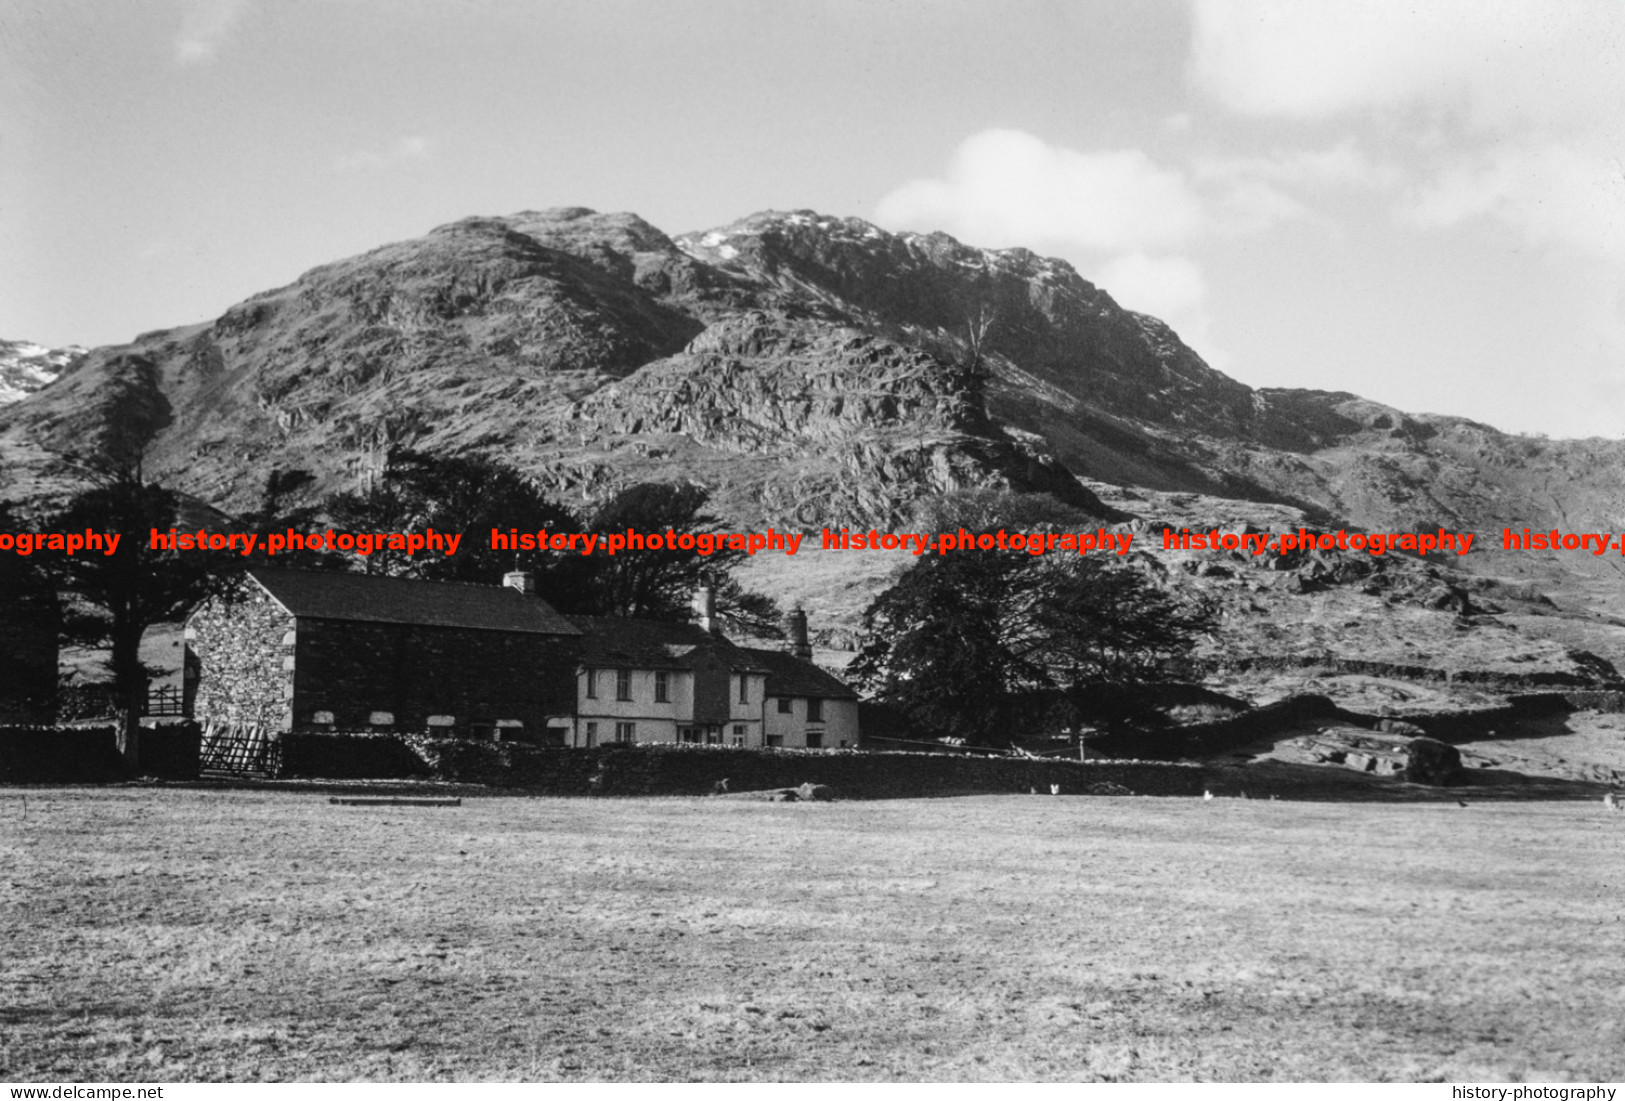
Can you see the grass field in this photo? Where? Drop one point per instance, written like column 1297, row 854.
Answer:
column 164, row 934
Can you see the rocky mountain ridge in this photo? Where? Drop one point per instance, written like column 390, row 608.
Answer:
column 810, row 370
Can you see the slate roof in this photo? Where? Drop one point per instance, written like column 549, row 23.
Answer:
column 651, row 644
column 358, row 598
column 788, row 675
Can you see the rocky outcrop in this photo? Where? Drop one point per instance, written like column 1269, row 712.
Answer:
column 839, row 423
column 1432, row 762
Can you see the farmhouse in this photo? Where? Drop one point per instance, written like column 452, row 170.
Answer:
column 298, row 650
column 805, row 707
column 645, row 681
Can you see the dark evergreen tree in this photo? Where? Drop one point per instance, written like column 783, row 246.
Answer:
column 981, row 644
column 118, row 596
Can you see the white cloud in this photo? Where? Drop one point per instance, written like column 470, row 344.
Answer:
column 1171, row 288
column 1504, row 113
column 1005, row 188
column 1492, row 63
column 1120, row 217
column 204, row 29
column 1114, row 214
column 1252, row 193
column 407, row 149
column 1549, row 194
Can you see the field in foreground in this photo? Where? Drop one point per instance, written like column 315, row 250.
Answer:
column 184, row 934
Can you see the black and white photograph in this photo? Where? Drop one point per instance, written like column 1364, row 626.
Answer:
column 861, row 541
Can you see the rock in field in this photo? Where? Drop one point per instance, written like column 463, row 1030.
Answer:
column 1432, row 762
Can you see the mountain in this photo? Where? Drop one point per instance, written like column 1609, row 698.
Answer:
column 26, row 367
column 810, row 370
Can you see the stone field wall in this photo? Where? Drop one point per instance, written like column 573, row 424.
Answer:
column 696, row 770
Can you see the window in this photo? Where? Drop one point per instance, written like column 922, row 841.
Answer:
column 815, row 709
column 815, row 739
column 626, row 732
column 689, row 734
column 739, row 734
column 662, row 687
column 784, row 705
column 713, row 736
column 592, row 684
column 592, row 735
column 623, row 684
column 775, row 741
column 744, row 688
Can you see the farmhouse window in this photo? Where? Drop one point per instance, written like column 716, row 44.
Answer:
column 744, row 689
column 592, row 735
column 662, row 687
column 775, row 741
column 815, row 739
column 623, row 684
column 626, row 732
column 784, row 705
column 815, row 709
column 690, row 734
column 592, row 684
column 739, row 735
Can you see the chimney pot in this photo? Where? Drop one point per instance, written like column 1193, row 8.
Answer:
column 522, row 580
column 705, row 610
column 796, row 627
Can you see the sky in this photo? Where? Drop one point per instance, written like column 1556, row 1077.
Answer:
column 1419, row 202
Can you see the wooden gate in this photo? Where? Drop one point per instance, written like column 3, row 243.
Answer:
column 234, row 751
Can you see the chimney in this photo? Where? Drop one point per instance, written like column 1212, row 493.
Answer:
column 705, row 610
column 522, row 580
column 796, row 625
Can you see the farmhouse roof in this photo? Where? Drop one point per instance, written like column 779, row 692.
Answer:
column 788, row 675
column 360, row 598
column 651, row 644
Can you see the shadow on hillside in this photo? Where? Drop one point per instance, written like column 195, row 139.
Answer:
column 1323, row 783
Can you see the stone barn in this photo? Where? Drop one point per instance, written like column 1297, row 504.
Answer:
column 311, row 651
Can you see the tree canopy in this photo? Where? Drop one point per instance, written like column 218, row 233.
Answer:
column 118, row 596
column 474, row 496
column 984, row 644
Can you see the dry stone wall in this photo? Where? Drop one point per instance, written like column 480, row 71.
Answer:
column 697, row 770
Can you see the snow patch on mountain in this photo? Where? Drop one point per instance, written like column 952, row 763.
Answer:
column 26, row 367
